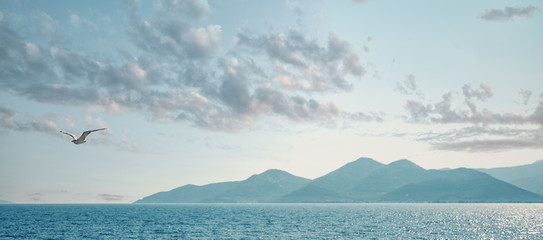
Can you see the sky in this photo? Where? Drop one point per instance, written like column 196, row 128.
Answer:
column 196, row 92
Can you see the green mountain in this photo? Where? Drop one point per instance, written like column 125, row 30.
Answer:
column 386, row 179
column 529, row 177
column 334, row 186
column 264, row 187
column 460, row 185
column 366, row 180
column 189, row 193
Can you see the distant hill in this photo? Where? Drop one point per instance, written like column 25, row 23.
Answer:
column 5, row 202
column 265, row 187
column 460, row 185
column 363, row 180
column 529, row 177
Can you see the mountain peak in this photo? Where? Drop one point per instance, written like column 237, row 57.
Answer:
column 404, row 163
column 273, row 175
column 365, row 160
column 361, row 163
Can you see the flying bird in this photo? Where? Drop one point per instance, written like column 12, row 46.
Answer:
column 81, row 139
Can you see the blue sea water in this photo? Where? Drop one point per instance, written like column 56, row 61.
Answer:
column 273, row 221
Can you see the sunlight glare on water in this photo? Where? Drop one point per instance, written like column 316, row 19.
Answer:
column 273, row 221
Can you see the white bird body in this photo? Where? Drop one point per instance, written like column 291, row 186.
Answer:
column 81, row 139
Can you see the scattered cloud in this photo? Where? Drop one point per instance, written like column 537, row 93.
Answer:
column 526, row 94
column 302, row 63
column 485, row 139
column 477, row 130
column 443, row 111
column 8, row 120
column 409, row 86
column 509, row 13
column 181, row 72
column 365, row 117
column 482, row 93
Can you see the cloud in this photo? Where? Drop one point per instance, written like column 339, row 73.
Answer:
column 294, row 7
column 443, row 111
column 37, row 197
column 8, row 120
column 6, row 116
column 483, row 93
column 68, row 121
column 294, row 107
column 194, row 9
column 364, row 117
column 508, row 13
column 179, row 71
column 526, row 94
column 111, row 197
column 409, row 85
column 485, row 139
column 82, row 23
column 203, row 41
column 308, row 65
column 171, row 32
column 47, row 27
column 476, row 130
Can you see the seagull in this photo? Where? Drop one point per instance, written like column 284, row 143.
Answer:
column 81, row 139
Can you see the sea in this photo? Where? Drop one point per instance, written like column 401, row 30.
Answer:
column 272, row 221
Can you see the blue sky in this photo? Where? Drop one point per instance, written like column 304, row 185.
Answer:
column 205, row 91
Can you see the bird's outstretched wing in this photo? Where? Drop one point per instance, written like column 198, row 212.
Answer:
column 86, row 133
column 69, row 134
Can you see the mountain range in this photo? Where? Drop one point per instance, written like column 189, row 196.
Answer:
column 529, row 177
column 366, row 180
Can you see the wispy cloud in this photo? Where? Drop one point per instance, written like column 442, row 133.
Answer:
column 302, row 63
column 476, row 130
column 111, row 197
column 526, row 95
column 485, row 139
column 444, row 112
column 37, row 197
column 409, row 86
column 8, row 120
column 509, row 13
column 46, row 26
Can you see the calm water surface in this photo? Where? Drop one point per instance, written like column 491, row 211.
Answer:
column 273, row 221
